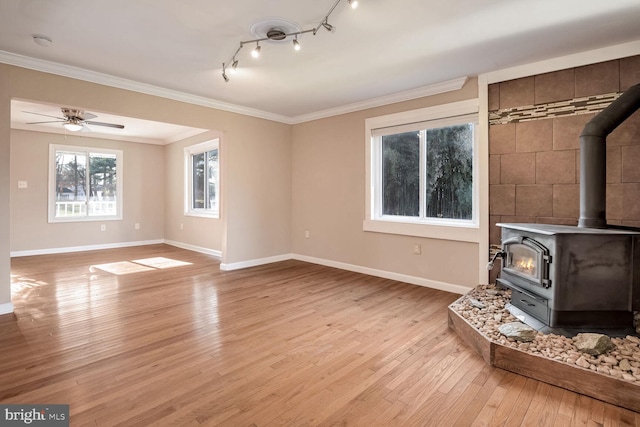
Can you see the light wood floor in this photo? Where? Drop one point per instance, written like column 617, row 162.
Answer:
column 288, row 344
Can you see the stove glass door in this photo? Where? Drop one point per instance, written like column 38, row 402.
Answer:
column 524, row 260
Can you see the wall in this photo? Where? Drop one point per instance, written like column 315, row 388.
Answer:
column 535, row 165
column 192, row 232
column 143, row 193
column 329, row 201
column 257, row 159
column 5, row 144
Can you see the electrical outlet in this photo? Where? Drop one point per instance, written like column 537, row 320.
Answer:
column 22, row 184
column 417, row 249
column 103, row 227
column 137, row 226
column 306, row 234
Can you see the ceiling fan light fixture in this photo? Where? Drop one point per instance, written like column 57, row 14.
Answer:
column 72, row 126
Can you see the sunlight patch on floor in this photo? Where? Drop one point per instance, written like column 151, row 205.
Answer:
column 161, row 262
column 139, row 265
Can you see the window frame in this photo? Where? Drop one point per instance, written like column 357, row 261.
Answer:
column 431, row 117
column 189, row 152
column 53, row 150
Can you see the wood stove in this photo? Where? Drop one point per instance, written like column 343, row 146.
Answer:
column 586, row 276
column 572, row 277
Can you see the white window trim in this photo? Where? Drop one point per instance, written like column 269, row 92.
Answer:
column 53, row 148
column 188, row 179
column 468, row 231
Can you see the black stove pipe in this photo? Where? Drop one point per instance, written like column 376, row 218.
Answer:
column 593, row 157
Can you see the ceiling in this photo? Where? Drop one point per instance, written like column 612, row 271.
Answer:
column 380, row 49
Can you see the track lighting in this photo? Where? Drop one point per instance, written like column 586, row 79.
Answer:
column 224, row 73
column 276, row 33
column 256, row 52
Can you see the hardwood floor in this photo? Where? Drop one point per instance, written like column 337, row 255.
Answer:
column 287, row 344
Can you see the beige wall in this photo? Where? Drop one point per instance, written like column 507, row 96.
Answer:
column 205, row 233
column 143, row 194
column 329, row 201
column 256, row 160
column 5, row 143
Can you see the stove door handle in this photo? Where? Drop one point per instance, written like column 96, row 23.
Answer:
column 500, row 254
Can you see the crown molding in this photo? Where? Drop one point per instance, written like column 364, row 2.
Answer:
column 434, row 89
column 120, row 83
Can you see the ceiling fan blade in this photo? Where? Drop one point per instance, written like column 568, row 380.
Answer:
column 110, row 125
column 85, row 128
column 88, row 116
column 51, row 121
column 46, row 115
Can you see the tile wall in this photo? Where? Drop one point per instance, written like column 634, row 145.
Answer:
column 534, row 165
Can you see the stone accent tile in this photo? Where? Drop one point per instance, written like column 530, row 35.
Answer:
column 629, row 72
column 556, row 86
column 534, row 200
column 567, row 130
column 630, row 201
column 566, row 201
column 494, row 96
column 502, row 139
column 494, row 169
column 614, row 164
column 536, row 135
column 556, row 167
column 627, row 133
column 630, row 162
column 494, row 231
column 502, row 199
column 596, row 79
column 614, row 203
column 518, row 168
column 517, row 93
column 618, row 222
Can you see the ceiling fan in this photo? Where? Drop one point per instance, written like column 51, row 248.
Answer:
column 75, row 120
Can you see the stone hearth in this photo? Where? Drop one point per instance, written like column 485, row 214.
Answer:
column 613, row 377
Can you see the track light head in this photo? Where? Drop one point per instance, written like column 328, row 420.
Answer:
column 234, row 66
column 353, row 3
column 256, row 52
column 296, row 44
column 327, row 26
column 224, row 73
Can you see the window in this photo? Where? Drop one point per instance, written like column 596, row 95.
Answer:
column 421, row 172
column 202, row 192
column 85, row 184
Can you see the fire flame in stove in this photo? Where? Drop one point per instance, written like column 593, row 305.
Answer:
column 526, row 265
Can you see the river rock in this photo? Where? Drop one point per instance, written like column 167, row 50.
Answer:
column 518, row 331
column 594, row 344
column 477, row 304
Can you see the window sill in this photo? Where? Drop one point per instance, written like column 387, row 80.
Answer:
column 212, row 215
column 444, row 231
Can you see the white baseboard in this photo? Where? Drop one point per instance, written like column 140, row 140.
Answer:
column 434, row 284
column 50, row 251
column 255, row 262
column 6, row 308
column 194, row 248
